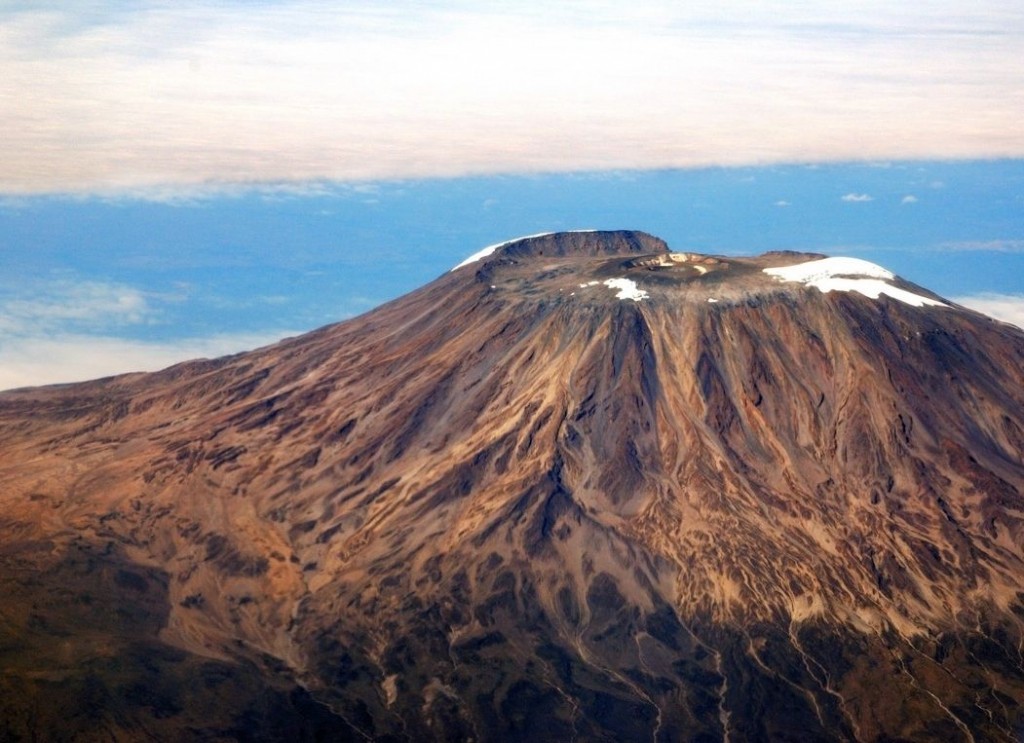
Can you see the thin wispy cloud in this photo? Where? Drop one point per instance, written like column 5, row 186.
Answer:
column 991, row 246
column 857, row 198
column 909, row 199
column 69, row 330
column 66, row 303
column 192, row 95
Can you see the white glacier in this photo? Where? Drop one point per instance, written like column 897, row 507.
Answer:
column 849, row 275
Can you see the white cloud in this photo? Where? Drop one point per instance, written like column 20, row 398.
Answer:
column 909, row 199
column 858, row 197
column 782, row 203
column 171, row 97
column 66, row 303
column 74, row 358
column 1006, row 307
column 70, row 331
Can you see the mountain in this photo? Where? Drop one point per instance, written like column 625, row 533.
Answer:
column 580, row 487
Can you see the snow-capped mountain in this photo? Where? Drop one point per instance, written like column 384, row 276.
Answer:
column 579, row 487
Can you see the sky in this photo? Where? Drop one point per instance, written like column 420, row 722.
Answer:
column 194, row 178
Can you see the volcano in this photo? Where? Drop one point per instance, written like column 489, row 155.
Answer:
column 580, row 487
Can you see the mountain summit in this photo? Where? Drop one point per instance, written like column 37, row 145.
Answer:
column 579, row 487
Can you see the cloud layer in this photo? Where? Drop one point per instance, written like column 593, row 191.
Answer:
column 1005, row 307
column 196, row 93
column 71, row 330
column 31, row 361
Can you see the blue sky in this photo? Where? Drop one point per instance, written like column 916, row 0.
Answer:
column 183, row 179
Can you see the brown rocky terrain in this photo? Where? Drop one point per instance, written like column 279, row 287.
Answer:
column 581, row 488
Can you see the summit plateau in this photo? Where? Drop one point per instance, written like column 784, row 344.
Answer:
column 581, row 487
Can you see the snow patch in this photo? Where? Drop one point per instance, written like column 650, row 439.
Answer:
column 873, row 288
column 484, row 252
column 712, row 300
column 850, row 275
column 589, row 283
column 627, row 289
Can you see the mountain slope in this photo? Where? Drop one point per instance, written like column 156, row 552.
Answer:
column 578, row 487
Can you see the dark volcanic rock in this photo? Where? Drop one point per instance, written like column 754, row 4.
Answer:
column 582, row 488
